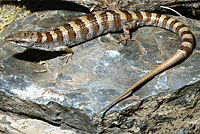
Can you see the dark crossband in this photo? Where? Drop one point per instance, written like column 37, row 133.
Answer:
column 95, row 26
column 59, row 34
column 71, row 32
column 39, row 37
column 84, row 30
column 128, row 15
column 49, row 37
column 117, row 19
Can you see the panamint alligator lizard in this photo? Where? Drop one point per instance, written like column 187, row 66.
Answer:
column 101, row 22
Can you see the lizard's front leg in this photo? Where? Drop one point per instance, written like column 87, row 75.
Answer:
column 65, row 49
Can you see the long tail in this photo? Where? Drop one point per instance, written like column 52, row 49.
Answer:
column 184, row 51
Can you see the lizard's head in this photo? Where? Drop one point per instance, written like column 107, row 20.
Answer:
column 23, row 39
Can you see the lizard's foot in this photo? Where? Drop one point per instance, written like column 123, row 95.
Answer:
column 65, row 49
column 67, row 56
column 124, row 39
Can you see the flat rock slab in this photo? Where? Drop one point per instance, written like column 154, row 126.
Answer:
column 21, row 125
column 65, row 117
column 100, row 69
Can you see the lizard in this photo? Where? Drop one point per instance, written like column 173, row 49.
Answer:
column 99, row 23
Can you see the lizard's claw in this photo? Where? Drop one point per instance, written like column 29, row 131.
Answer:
column 124, row 39
column 67, row 56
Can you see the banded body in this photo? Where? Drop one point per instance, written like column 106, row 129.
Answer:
column 101, row 22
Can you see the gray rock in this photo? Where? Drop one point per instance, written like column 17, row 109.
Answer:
column 175, row 112
column 100, row 69
column 64, row 116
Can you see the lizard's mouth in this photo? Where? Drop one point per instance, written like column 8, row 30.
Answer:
column 11, row 39
column 18, row 42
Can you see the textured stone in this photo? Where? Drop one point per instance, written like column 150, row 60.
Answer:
column 175, row 112
column 61, row 116
column 100, row 69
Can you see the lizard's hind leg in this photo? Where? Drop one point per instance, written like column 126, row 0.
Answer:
column 126, row 29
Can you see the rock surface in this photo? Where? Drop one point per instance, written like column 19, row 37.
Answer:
column 165, row 113
column 51, row 113
column 100, row 69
